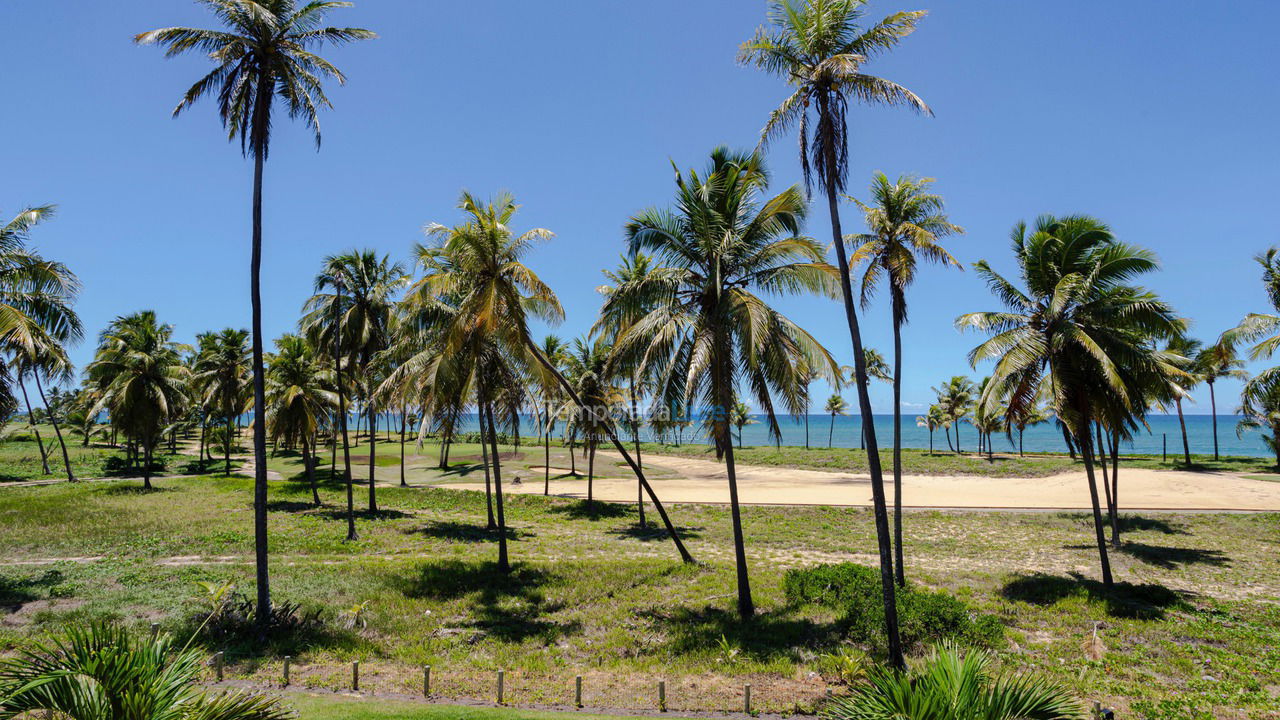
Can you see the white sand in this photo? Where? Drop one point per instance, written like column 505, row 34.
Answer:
column 703, row 481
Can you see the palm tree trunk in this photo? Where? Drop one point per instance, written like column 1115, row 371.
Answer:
column 1106, row 477
column 894, row 641
column 947, row 430
column 1115, row 490
column 806, row 429
column 308, row 460
column 261, row 122
column 546, row 452
column 591, row 468
column 66, row 459
column 1086, row 452
column 342, row 412
column 1021, row 430
column 146, row 464
column 373, row 446
column 226, row 450
column 503, row 564
column 831, row 431
column 484, row 454
column 31, row 420
column 1213, row 410
column 613, row 437
column 930, row 441
column 1186, row 448
column 897, row 445
column 404, row 421
column 635, row 432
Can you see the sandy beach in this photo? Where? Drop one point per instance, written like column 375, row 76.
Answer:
column 703, row 481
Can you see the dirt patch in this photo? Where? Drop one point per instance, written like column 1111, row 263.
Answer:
column 19, row 614
column 504, row 456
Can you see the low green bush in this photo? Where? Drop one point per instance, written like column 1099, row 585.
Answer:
column 924, row 616
column 118, row 465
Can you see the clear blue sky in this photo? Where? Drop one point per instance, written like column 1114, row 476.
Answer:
column 1159, row 117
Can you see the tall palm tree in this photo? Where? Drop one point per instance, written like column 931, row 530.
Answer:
column 1184, row 350
column 836, row 405
column 877, row 368
column 588, row 368
column 905, row 222
column 366, row 316
column 556, row 352
column 44, row 355
column 102, row 672
column 223, row 374
column 708, row 330
column 263, row 53
column 299, row 400
column 1213, row 363
column 820, row 47
column 956, row 398
column 1260, row 408
column 139, row 372
column 1080, row 327
column 933, row 419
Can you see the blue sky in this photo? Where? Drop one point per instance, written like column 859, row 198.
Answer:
column 1158, row 117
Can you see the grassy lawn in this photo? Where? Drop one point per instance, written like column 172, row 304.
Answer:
column 20, row 455
column 1196, row 634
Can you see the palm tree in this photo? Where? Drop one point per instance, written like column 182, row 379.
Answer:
column 299, row 399
column 740, row 416
column 102, row 672
column 223, row 374
column 1213, row 363
column 953, row 683
column 877, row 369
column 707, row 329
column 1260, row 409
column 1080, row 327
column 935, row 418
column 905, row 222
column 956, row 398
column 366, row 317
column 1030, row 416
column 43, row 355
column 836, row 405
column 588, row 368
column 263, row 53
column 139, row 372
column 1185, row 349
column 819, row 47
column 557, row 352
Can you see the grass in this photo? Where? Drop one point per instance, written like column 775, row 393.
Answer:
column 1193, row 630
column 20, row 455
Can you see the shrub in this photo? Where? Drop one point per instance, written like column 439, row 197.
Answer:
column 118, row 465
column 235, row 620
column 924, row 616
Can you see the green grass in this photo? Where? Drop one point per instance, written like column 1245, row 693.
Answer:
column 317, row 707
column 20, row 455
column 593, row 595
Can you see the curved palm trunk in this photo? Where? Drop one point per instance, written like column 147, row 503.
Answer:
column 404, row 424
column 721, row 381
column 1213, row 411
column 613, row 437
column 1106, row 477
column 484, row 454
column 1186, row 448
column 1115, row 490
column 1086, row 451
column 894, row 641
column 503, row 564
column 66, row 459
column 591, row 469
column 31, row 420
column 373, row 447
column 635, row 432
column 897, row 445
column 947, row 430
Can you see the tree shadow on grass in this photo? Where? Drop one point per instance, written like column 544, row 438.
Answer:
column 463, row 532
column 340, row 513
column 770, row 635
column 1170, row 558
column 652, row 532
column 1124, row 600
column 291, row 506
column 1131, row 523
column 14, row 593
column 120, row 490
column 593, row 510
column 509, row 606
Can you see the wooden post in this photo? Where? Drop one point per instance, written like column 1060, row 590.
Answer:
column 577, row 691
column 355, row 676
column 746, row 698
column 287, row 658
column 426, row 681
column 217, row 664
column 500, row 688
column 662, row 695
column 155, row 631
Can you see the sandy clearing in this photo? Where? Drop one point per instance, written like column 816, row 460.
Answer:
column 703, row 481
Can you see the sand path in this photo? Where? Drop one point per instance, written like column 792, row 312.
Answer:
column 703, row 481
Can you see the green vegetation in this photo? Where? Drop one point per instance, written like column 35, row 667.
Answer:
column 591, row 593
column 327, row 707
